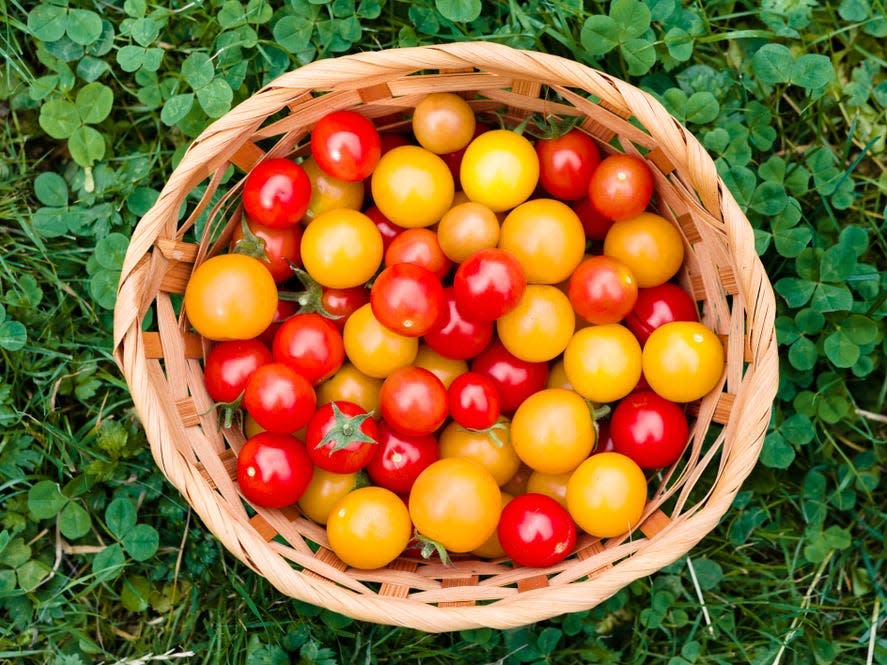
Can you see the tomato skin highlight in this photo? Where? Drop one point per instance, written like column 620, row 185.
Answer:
column 499, row 169
column 473, row 400
column 566, row 164
column 649, row 245
column 401, row 458
column 602, row 290
column 536, row 531
column 603, row 363
column 407, row 298
column 413, row 401
column 372, row 348
column 649, row 429
column 443, row 122
column 420, row 247
column 488, row 284
column 346, row 145
column 310, row 344
column 273, row 470
column 515, row 379
column 412, row 186
column 621, row 186
column 456, row 336
column 683, row 361
column 230, row 364
column 369, row 528
column 279, row 399
column 341, row 248
column 276, row 193
column 657, row 306
column 606, row 495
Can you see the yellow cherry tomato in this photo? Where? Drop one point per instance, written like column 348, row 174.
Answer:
column 539, row 328
column 649, row 245
column 456, row 502
column 230, row 296
column 443, row 122
column 603, row 363
column 412, row 186
column 499, row 169
column 492, row 549
column 349, row 384
column 467, row 228
column 324, row 491
column 557, row 376
column 342, row 248
column 491, row 449
column 445, row 369
column 329, row 193
column 552, row 431
column 547, row 239
column 683, row 360
column 606, row 495
column 550, row 484
column 374, row 349
column 369, row 528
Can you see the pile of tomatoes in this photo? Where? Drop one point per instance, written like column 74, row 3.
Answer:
column 426, row 331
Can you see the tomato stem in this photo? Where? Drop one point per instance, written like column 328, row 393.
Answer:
column 250, row 244
column 309, row 300
column 430, row 546
column 492, row 431
column 345, row 431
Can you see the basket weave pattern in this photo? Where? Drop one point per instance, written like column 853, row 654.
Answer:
column 163, row 366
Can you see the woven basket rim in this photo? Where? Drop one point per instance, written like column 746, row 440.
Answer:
column 755, row 383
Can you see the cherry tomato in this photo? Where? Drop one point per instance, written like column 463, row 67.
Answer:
column 323, row 492
column 341, row 437
column 603, row 363
column 606, row 495
column 273, row 470
column 329, row 193
column 454, row 159
column 391, row 141
column 341, row 248
column 515, row 379
column 649, row 245
column 488, row 284
column 553, row 485
column 412, row 186
column 407, row 298
column 276, row 248
column 230, row 296
column 443, row 122
column 649, row 429
column 276, row 193
column 566, row 164
column 455, row 502
column 499, row 169
column 535, row 530
column 413, row 401
column 683, row 361
column 659, row 305
column 230, row 364
column 346, row 145
column 557, row 376
column 467, row 228
column 279, row 398
column 342, row 303
column 419, row 247
column 372, row 348
column 388, row 229
column 349, row 384
column 473, row 400
column 445, row 369
column 491, row 448
column 621, row 186
column 455, row 336
column 285, row 309
column 547, row 239
column 552, row 431
column 369, row 528
column 517, row 485
column 605, row 443
column 400, row 459
column 540, row 326
column 492, row 548
column 602, row 290
column 311, row 345
column 593, row 221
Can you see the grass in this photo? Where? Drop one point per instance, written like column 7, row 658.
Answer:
column 794, row 574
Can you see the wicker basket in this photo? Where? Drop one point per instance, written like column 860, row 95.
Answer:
column 163, row 365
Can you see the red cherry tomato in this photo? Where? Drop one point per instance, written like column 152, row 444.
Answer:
column 273, row 470
column 621, row 187
column 390, row 141
column 276, row 193
column 602, row 290
column 454, row 336
column 566, row 164
column 400, row 459
column 649, row 429
column 604, row 443
column 407, row 298
column 278, row 249
column 346, row 145
column 387, row 228
column 279, row 398
column 489, row 284
column 229, row 366
column 515, row 379
column 421, row 247
column 413, row 401
column 593, row 220
column 285, row 309
column 473, row 400
column 342, row 303
column 341, row 437
column 657, row 306
column 311, row 345
column 535, row 530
